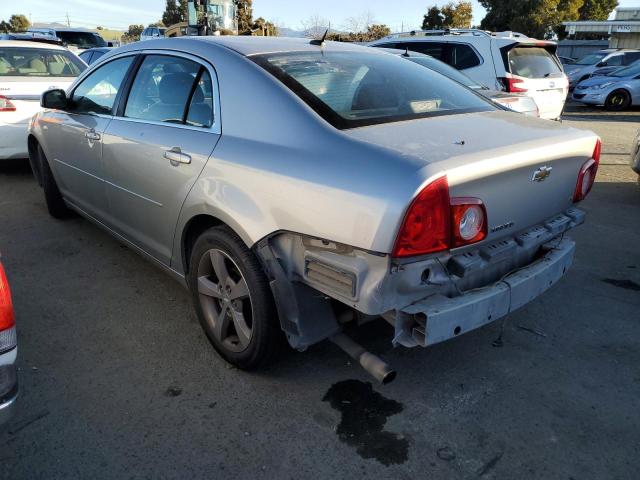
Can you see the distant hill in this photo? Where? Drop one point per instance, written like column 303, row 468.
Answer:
column 289, row 32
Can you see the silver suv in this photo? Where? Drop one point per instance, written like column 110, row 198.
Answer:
column 587, row 65
column 506, row 61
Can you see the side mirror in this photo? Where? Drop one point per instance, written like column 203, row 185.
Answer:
column 601, row 64
column 109, row 44
column 54, row 99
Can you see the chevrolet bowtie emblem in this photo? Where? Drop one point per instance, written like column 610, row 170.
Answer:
column 541, row 174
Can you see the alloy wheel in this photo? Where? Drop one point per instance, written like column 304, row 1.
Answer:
column 225, row 300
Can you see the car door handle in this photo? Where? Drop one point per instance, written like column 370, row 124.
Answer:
column 92, row 135
column 175, row 156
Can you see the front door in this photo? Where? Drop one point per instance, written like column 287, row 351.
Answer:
column 74, row 141
column 155, row 150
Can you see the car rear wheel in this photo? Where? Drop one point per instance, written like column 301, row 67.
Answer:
column 233, row 299
column 618, row 100
column 55, row 203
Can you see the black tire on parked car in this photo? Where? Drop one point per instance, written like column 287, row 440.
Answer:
column 618, row 100
column 233, row 300
column 55, row 203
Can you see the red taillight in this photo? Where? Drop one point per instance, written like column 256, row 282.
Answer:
column 426, row 225
column 434, row 222
column 587, row 174
column 6, row 307
column 514, row 85
column 469, row 221
column 6, row 105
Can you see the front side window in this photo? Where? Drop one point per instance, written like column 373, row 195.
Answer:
column 615, row 61
column 352, row 89
column 165, row 86
column 591, row 59
column 38, row 62
column 533, row 62
column 97, row 93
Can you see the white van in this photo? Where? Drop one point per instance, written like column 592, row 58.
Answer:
column 506, row 61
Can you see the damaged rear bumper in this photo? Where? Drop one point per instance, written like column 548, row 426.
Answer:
column 438, row 318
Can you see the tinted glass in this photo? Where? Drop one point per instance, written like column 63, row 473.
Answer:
column 591, row 59
column 461, row 56
column 631, row 57
column 446, row 70
column 434, row 49
column 201, row 107
column 97, row 93
column 533, row 62
column 162, row 89
column 38, row 62
column 81, row 39
column 615, row 61
column 86, row 56
column 353, row 89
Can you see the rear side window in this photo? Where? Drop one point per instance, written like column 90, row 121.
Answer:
column 631, row 57
column 163, row 88
column 97, row 93
column 38, row 62
column 533, row 62
column 461, row 56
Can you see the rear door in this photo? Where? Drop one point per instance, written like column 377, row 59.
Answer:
column 156, row 147
column 538, row 73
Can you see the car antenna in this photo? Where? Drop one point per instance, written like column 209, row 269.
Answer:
column 320, row 42
column 406, row 53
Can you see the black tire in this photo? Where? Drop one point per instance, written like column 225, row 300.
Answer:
column 266, row 335
column 618, row 100
column 55, row 203
column 35, row 162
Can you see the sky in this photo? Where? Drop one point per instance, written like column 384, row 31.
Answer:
column 118, row 14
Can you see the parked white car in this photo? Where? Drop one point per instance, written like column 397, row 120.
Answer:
column 152, row 33
column 27, row 69
column 506, row 61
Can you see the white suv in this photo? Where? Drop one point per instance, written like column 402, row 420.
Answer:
column 503, row 61
column 152, row 33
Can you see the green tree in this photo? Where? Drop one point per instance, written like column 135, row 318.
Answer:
column 376, row 32
column 536, row 18
column 432, row 19
column 457, row 15
column 4, row 27
column 171, row 14
column 133, row 33
column 597, row 9
column 18, row 23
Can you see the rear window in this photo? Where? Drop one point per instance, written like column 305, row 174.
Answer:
column 82, row 39
column 533, row 62
column 353, row 89
column 39, row 62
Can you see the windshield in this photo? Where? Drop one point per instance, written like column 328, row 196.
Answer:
column 82, row 39
column 630, row 71
column 447, row 71
column 591, row 59
column 533, row 62
column 354, row 89
column 39, row 62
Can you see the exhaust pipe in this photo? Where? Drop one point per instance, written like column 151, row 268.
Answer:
column 374, row 365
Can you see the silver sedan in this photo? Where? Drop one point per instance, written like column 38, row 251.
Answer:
column 295, row 186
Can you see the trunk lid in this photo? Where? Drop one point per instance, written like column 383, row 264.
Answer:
column 494, row 157
column 25, row 92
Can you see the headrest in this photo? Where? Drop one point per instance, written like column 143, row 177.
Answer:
column 175, row 88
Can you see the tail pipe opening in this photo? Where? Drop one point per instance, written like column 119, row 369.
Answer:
column 374, row 365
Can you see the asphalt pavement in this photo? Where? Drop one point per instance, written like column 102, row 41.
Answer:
column 118, row 380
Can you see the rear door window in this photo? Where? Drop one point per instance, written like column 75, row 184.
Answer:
column 533, row 62
column 163, row 88
column 434, row 49
column 631, row 57
column 461, row 56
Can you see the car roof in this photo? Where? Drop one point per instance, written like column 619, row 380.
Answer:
column 247, row 46
column 29, row 44
column 61, row 29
